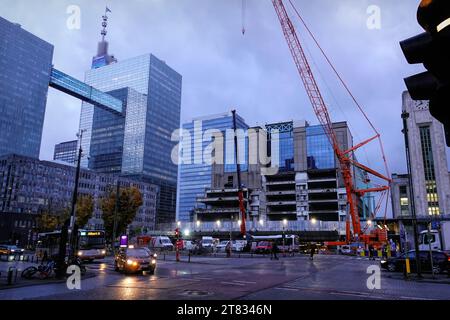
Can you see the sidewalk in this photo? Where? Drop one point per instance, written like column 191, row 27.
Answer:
column 426, row 278
column 20, row 282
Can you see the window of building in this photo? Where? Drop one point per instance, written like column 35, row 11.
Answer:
column 429, row 170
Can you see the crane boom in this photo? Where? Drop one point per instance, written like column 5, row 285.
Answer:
column 320, row 109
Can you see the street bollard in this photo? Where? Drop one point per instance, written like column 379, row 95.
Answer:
column 12, row 275
column 189, row 257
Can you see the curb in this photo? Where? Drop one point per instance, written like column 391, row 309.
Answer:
column 438, row 281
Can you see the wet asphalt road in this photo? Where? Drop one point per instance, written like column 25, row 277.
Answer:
column 326, row 277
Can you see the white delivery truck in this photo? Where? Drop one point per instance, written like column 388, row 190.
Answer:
column 438, row 240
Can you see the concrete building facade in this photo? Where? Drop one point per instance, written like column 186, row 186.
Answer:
column 430, row 175
column 31, row 186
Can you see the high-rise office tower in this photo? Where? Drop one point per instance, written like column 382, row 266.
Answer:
column 66, row 151
column 138, row 141
column 25, row 67
column 195, row 175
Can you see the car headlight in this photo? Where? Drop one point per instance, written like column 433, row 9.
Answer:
column 80, row 253
column 12, row 250
column 153, row 261
column 132, row 263
column 103, row 251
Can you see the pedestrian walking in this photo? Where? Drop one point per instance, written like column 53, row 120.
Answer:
column 371, row 252
column 228, row 249
column 273, row 254
column 313, row 250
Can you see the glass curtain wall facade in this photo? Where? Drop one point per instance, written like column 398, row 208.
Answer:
column 152, row 114
column 66, row 151
column 286, row 144
column 25, row 64
column 429, row 171
column 320, row 154
column 195, row 177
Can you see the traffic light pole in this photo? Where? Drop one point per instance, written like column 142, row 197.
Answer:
column 405, row 116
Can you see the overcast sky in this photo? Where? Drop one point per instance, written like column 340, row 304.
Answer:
column 222, row 69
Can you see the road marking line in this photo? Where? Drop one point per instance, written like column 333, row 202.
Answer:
column 414, row 298
column 203, row 278
column 233, row 283
column 245, row 282
column 186, row 279
column 287, row 289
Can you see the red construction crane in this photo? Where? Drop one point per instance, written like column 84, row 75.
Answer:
column 345, row 157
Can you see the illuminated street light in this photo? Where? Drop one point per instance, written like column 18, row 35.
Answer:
column 313, row 220
column 218, row 223
column 261, row 222
column 239, row 222
column 369, row 222
column 186, row 232
column 285, row 222
column 178, row 223
column 198, row 223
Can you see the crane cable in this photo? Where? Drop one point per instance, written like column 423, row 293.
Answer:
column 243, row 16
column 342, row 82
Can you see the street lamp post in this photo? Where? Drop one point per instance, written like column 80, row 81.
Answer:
column 116, row 213
column 405, row 116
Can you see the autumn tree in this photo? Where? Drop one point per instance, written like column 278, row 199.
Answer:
column 47, row 222
column 84, row 210
column 54, row 219
column 130, row 200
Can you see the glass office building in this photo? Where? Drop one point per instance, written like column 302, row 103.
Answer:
column 25, row 68
column 285, row 132
column 66, row 151
column 138, row 142
column 195, row 173
column 320, row 154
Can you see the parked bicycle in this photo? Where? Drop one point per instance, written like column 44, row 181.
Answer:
column 43, row 271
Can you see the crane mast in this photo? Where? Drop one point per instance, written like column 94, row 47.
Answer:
column 321, row 111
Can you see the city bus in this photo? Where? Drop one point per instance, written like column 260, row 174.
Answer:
column 91, row 244
column 291, row 242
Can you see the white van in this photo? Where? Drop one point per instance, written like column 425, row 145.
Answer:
column 162, row 242
column 207, row 242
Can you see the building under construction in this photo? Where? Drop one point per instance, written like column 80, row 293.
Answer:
column 307, row 184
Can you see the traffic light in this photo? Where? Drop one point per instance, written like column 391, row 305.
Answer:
column 432, row 49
